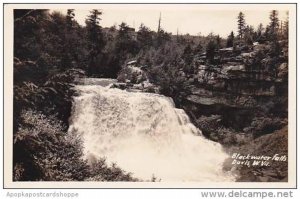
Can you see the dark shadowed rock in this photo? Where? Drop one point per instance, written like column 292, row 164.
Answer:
column 267, row 145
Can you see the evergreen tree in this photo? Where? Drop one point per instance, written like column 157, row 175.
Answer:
column 73, row 39
column 125, row 42
column 230, row 40
column 267, row 33
column 188, row 56
column 259, row 31
column 285, row 37
column 210, row 51
column 162, row 37
column 286, row 28
column 218, row 42
column 274, row 25
column 70, row 18
column 28, row 26
column 144, row 36
column 241, row 24
column 249, row 35
column 95, row 40
column 198, row 49
column 273, row 34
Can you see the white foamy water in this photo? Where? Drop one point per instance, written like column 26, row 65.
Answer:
column 146, row 135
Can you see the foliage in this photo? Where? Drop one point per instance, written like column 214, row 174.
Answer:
column 248, row 35
column 126, row 45
column 265, row 125
column 188, row 56
column 241, row 24
column 171, row 80
column 28, row 30
column 210, row 50
column 144, row 37
column 43, row 77
column 100, row 171
column 218, row 42
column 286, row 29
column 259, row 32
column 95, row 39
column 274, row 24
column 43, row 151
column 70, row 19
column 230, row 40
column 51, row 97
column 162, row 37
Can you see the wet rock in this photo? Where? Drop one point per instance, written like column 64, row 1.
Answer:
column 121, row 86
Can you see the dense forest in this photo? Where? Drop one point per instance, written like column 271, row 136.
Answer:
column 51, row 50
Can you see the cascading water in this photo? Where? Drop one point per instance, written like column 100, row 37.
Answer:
column 143, row 133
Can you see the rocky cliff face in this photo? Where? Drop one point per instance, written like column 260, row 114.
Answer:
column 245, row 93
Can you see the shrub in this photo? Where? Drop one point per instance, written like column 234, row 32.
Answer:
column 100, row 171
column 265, row 125
column 53, row 96
column 43, row 151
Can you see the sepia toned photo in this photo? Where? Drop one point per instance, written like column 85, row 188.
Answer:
column 150, row 95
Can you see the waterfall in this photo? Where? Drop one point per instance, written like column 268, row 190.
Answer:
column 143, row 133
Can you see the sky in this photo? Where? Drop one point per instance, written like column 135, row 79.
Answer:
column 192, row 19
